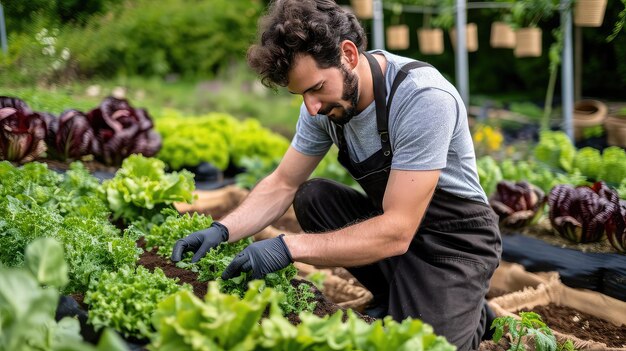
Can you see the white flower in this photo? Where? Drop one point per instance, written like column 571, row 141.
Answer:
column 48, row 50
column 119, row 92
column 48, row 40
column 42, row 33
column 65, row 54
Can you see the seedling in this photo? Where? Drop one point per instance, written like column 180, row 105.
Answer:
column 530, row 324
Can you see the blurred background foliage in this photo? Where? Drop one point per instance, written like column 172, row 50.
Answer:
column 190, row 55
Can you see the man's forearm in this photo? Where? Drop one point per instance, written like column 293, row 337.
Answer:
column 359, row 244
column 266, row 203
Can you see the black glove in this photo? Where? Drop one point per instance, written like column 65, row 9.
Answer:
column 261, row 257
column 200, row 242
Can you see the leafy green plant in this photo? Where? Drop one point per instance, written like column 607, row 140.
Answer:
column 125, row 300
column 619, row 24
column 317, row 278
column 142, row 188
column 556, row 150
column 489, row 174
column 250, row 138
column 589, row 161
column 27, row 309
column 188, row 140
column 210, row 267
column 218, row 138
column 182, row 37
column 528, row 13
column 226, row 322
column 175, row 226
column 529, row 324
column 580, row 214
column 256, row 168
column 614, row 170
column 37, row 202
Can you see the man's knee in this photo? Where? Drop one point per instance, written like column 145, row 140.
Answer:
column 310, row 194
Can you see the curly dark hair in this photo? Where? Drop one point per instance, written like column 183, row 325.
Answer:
column 292, row 27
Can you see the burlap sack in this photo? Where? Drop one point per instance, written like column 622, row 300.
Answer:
column 553, row 291
column 510, row 277
column 215, row 203
column 338, row 290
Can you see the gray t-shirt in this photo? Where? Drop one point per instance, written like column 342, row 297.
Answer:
column 428, row 130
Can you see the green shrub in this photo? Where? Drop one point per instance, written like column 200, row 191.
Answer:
column 179, row 36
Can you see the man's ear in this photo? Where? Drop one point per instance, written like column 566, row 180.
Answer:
column 349, row 53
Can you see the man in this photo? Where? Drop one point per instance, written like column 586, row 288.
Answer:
column 422, row 238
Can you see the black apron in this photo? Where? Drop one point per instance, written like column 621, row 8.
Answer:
column 445, row 273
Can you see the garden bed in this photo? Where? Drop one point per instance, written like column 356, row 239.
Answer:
column 589, row 319
column 583, row 325
column 151, row 260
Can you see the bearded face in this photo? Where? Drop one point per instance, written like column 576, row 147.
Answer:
column 343, row 114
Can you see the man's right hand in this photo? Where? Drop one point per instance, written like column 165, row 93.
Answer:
column 200, row 242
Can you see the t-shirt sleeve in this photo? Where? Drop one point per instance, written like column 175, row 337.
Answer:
column 311, row 138
column 423, row 129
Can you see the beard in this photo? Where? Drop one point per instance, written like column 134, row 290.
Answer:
column 351, row 94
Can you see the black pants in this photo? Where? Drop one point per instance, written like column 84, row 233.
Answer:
column 443, row 277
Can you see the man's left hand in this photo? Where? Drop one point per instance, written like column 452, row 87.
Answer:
column 261, row 258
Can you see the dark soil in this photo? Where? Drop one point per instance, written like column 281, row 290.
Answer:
column 324, row 307
column 151, row 260
column 583, row 326
column 489, row 345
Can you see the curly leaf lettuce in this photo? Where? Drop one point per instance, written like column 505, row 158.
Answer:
column 141, row 188
column 125, row 300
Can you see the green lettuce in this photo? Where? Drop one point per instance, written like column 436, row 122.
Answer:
column 141, row 188
column 27, row 310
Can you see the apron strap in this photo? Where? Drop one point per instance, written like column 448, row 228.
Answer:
column 380, row 95
column 382, row 105
column 402, row 74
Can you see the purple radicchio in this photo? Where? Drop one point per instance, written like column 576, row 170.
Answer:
column 122, row 130
column 22, row 132
column 517, row 204
column 70, row 136
column 616, row 228
column 579, row 214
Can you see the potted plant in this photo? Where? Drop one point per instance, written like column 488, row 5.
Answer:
column 615, row 125
column 502, row 34
column 589, row 13
column 430, row 39
column 445, row 20
column 397, row 34
column 588, row 114
column 363, row 9
column 525, row 17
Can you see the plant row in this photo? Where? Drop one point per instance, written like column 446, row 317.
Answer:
column 557, row 161
column 110, row 132
column 74, row 210
column 115, row 130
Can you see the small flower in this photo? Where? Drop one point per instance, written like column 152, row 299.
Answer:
column 65, row 54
